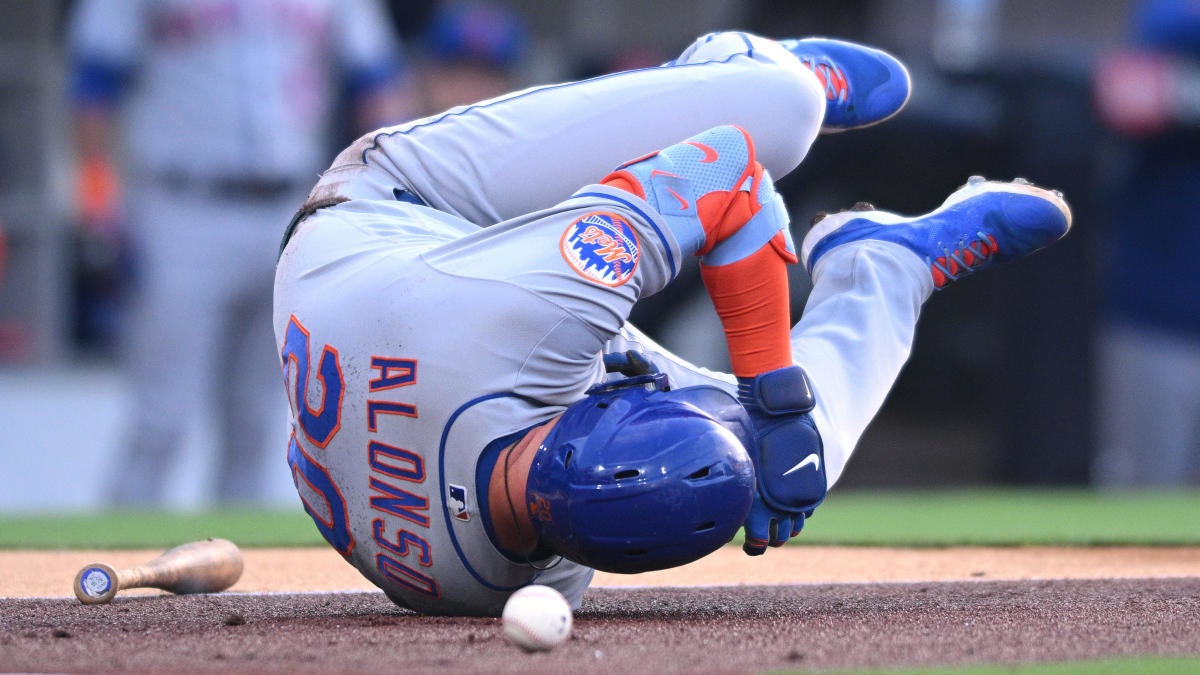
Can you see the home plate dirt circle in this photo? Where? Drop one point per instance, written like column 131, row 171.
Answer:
column 902, row 615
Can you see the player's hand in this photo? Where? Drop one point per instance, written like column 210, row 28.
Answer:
column 788, row 456
column 629, row 363
column 767, row 527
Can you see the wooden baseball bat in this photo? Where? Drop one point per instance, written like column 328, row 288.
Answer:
column 204, row 566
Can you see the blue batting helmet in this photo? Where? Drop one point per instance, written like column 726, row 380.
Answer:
column 639, row 477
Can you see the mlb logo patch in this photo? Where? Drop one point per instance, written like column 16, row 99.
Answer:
column 458, row 502
column 601, row 247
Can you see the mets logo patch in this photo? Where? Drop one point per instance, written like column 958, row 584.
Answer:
column 601, row 247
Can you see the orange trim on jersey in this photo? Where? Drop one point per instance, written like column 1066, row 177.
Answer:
column 405, row 375
column 298, row 392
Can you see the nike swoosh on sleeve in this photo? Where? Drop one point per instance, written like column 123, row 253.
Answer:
column 683, row 203
column 710, row 155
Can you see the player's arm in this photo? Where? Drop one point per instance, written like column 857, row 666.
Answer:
column 750, row 293
column 680, row 372
column 105, row 39
column 738, row 225
column 97, row 184
column 751, row 297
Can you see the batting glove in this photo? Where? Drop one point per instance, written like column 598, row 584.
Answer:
column 788, row 456
column 629, row 363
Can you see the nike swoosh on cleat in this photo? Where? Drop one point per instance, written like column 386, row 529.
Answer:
column 710, row 155
column 812, row 458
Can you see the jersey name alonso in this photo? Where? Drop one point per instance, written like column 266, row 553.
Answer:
column 390, row 416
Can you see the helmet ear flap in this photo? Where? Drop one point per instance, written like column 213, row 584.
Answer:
column 640, row 478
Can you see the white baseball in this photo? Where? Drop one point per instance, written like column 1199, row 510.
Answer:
column 537, row 618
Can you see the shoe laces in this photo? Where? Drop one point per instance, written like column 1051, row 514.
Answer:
column 957, row 263
column 833, row 80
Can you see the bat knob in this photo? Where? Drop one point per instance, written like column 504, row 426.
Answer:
column 96, row 584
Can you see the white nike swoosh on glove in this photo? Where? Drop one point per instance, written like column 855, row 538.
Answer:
column 812, row 458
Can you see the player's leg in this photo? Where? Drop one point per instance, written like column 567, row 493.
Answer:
column 249, row 401
column 595, row 255
column 153, row 429
column 508, row 156
column 505, row 157
column 169, row 343
column 873, row 270
column 863, row 86
column 1149, row 411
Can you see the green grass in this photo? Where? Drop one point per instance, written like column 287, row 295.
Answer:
column 877, row 518
column 158, row 530
column 1006, row 518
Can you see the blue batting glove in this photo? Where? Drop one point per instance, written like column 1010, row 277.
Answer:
column 767, row 527
column 788, row 456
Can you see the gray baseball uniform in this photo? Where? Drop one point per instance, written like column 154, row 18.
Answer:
column 469, row 278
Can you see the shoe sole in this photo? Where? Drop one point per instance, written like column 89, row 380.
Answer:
column 824, row 228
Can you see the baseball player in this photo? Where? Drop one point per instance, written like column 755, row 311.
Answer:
column 224, row 110
column 471, row 411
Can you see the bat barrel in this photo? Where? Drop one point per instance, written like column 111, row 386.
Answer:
column 208, row 566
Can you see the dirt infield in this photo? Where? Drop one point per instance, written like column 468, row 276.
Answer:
column 49, row 573
column 921, row 607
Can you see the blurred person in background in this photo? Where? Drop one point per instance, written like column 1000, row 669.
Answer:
column 1149, row 334
column 200, row 125
column 3, row 252
column 470, row 51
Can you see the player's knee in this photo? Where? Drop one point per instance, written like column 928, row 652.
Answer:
column 765, row 89
column 791, row 117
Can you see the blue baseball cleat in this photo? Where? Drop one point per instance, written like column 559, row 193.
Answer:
column 981, row 223
column 863, row 86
